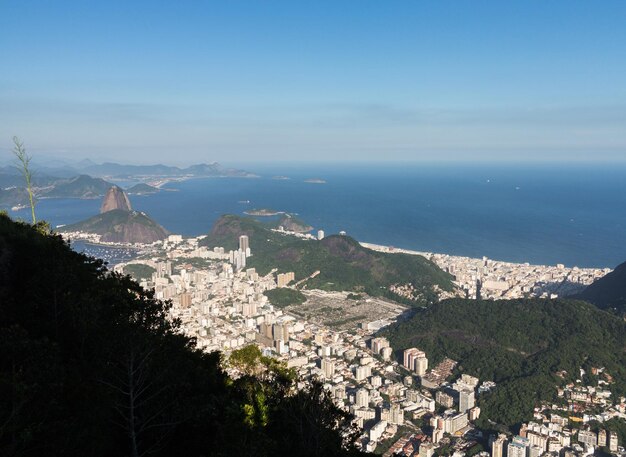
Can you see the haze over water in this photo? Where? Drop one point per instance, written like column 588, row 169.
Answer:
column 547, row 214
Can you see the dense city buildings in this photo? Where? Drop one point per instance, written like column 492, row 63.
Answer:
column 493, row 279
column 417, row 408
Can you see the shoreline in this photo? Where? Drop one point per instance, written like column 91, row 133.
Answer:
column 426, row 254
column 494, row 279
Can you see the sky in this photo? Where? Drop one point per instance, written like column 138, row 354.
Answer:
column 237, row 81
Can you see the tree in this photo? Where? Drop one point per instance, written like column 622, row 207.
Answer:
column 24, row 162
column 92, row 365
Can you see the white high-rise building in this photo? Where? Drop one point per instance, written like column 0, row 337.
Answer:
column 328, row 367
column 613, row 442
column 497, row 447
column 410, row 355
column 396, row 414
column 602, row 438
column 421, row 365
column 426, row 450
column 535, row 451
column 518, row 447
column 362, row 398
column 466, row 400
column 320, row 234
column 378, row 344
column 588, row 438
column 363, row 372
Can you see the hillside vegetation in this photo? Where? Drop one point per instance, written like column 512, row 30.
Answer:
column 519, row 344
column 343, row 264
column 283, row 297
column 90, row 366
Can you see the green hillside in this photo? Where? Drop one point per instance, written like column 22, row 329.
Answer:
column 120, row 226
column 91, row 366
column 82, row 186
column 342, row 262
column 519, row 344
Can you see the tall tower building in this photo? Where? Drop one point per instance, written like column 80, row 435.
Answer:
column 613, row 443
column 410, row 355
column 396, row 414
column 328, row 367
column 244, row 243
column 602, row 438
column 518, row 447
column 378, row 344
column 421, row 365
column 497, row 447
column 320, row 234
column 466, row 400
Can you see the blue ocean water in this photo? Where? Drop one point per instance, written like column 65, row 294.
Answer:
column 548, row 214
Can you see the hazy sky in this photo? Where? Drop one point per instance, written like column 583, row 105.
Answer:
column 183, row 81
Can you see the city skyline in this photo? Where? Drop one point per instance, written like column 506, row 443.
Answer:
column 148, row 82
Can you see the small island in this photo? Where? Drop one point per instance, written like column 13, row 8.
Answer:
column 281, row 178
column 315, row 181
column 263, row 212
column 142, row 189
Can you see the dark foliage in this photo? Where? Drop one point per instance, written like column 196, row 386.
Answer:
column 284, row 297
column 519, row 344
column 90, row 366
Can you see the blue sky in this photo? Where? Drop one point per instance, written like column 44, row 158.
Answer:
column 236, row 81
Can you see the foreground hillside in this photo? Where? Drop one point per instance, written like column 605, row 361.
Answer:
column 519, row 344
column 608, row 292
column 343, row 264
column 90, row 366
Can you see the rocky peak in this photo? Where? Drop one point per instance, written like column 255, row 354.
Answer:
column 115, row 198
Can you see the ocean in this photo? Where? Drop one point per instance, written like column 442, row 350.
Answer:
column 542, row 214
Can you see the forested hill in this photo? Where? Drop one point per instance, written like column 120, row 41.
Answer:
column 90, row 366
column 343, row 264
column 608, row 292
column 519, row 344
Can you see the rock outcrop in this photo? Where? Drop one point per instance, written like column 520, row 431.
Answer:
column 117, row 223
column 115, row 198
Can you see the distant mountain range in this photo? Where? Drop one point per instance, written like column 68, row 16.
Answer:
column 87, row 179
column 116, row 170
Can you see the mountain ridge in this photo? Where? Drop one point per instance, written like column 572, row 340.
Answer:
column 343, row 264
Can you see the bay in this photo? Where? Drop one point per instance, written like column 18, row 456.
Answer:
column 542, row 214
